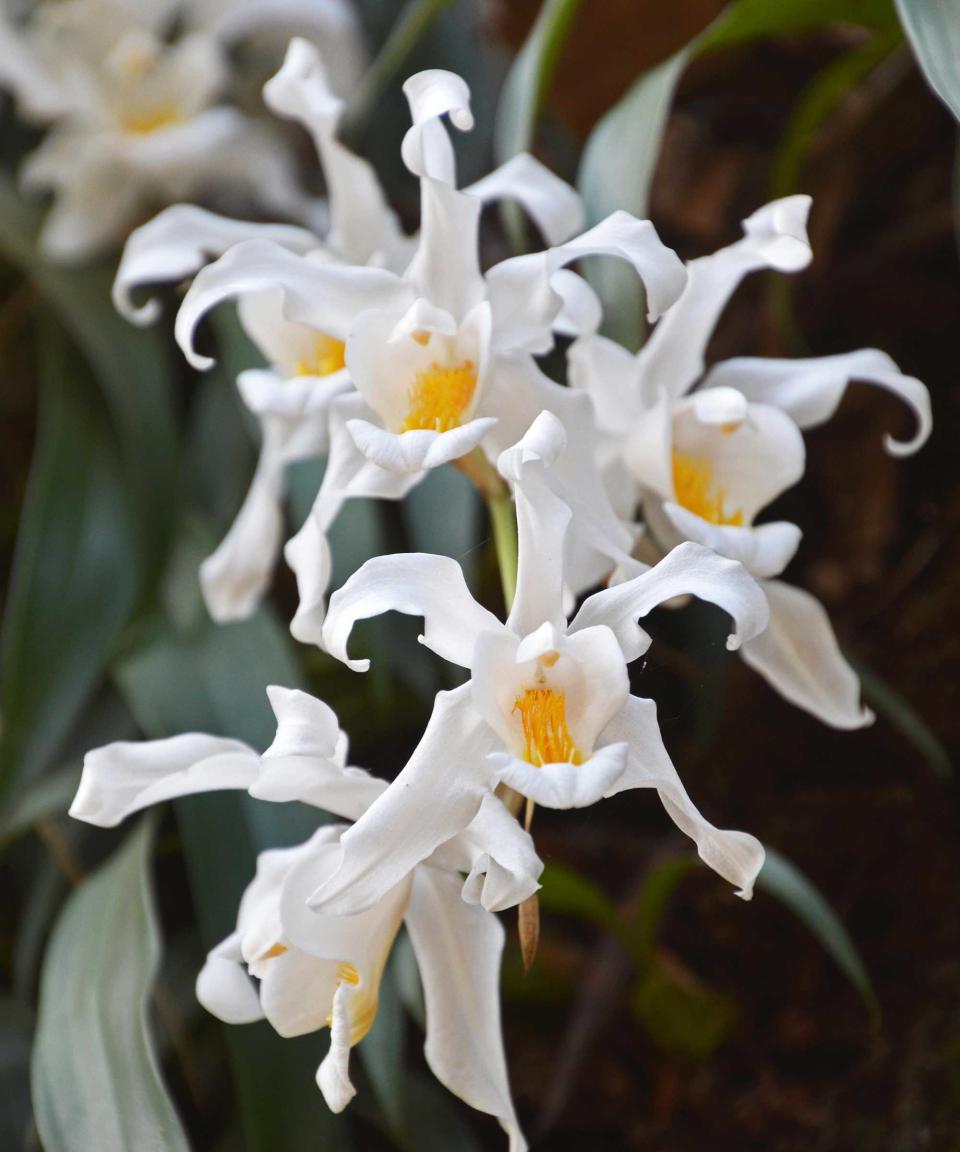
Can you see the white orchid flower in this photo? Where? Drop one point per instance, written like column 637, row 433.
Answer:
column 707, row 452
column 317, row 970
column 291, row 397
column 441, row 356
column 548, row 710
column 139, row 121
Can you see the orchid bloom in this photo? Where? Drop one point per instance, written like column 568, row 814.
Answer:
column 707, row 451
column 138, row 121
column 317, row 970
column 305, row 372
column 547, row 711
column 441, row 356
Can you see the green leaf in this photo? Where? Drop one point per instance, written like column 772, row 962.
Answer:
column 565, row 892
column 201, row 676
column 822, row 97
column 528, row 81
column 383, row 1053
column 16, row 1030
column 73, row 587
column 749, row 20
column 616, row 171
column 96, row 1082
column 48, row 796
column 681, row 1015
column 410, row 27
column 788, row 884
column 902, row 716
column 659, row 885
column 933, row 29
column 131, row 366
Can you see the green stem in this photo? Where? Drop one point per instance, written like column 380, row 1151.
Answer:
column 503, row 521
column 404, row 37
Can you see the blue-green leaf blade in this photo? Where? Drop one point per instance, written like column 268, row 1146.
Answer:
column 933, row 29
column 95, row 1077
column 784, row 881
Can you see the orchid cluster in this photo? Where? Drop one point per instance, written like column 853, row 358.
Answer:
column 637, row 482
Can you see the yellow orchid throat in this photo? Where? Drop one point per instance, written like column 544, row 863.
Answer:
column 439, row 396
column 153, row 120
column 547, row 740
column 327, row 356
column 694, row 489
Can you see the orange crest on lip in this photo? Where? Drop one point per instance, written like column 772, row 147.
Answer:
column 439, row 397
column 547, row 740
column 694, row 489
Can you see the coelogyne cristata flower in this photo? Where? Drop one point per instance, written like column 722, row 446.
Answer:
column 706, row 453
column 301, row 299
column 139, row 120
column 316, row 970
column 441, row 357
column 548, row 710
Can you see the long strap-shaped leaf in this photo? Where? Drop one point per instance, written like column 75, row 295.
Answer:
column 933, row 28
column 72, row 588
column 96, row 1082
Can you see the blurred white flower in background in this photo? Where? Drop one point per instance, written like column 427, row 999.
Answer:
column 137, row 97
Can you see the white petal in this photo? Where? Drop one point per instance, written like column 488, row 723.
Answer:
column 363, row 940
column 736, row 856
column 326, row 297
column 235, row 577
column 445, row 268
column 798, row 655
column 565, row 785
column 223, row 986
column 542, row 522
column 259, row 919
column 418, row 450
column 582, row 312
column 607, row 373
column 304, row 762
column 39, row 94
column 361, row 223
column 416, row 584
column 525, row 304
column 720, row 406
column 296, row 991
column 637, row 242
column 458, row 948
column 333, row 1075
column 597, row 540
column 178, row 242
column 445, row 781
column 124, row 777
column 810, row 390
column 774, row 237
column 551, row 203
column 348, row 474
column 306, row 726
column 689, row 569
column 498, row 855
column 426, row 148
column 764, row 550
column 92, row 210
column 751, row 462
